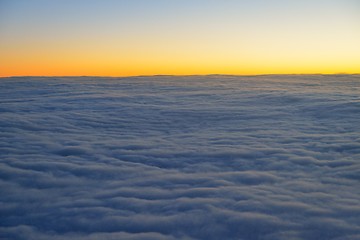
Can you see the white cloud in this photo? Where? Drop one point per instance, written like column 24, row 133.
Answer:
column 212, row 157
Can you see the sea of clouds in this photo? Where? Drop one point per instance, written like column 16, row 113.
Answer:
column 197, row 157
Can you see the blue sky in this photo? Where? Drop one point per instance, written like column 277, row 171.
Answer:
column 138, row 36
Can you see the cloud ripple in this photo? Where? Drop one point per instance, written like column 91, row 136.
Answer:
column 198, row 157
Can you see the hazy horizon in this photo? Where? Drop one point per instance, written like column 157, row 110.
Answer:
column 183, row 75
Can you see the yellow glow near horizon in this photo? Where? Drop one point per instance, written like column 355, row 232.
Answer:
column 221, row 43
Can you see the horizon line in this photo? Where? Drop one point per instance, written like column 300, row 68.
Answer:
column 180, row 75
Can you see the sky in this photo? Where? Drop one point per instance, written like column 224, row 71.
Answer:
column 179, row 37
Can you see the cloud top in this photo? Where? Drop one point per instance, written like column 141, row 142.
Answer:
column 212, row 157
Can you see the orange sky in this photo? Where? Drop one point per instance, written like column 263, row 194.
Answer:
column 121, row 38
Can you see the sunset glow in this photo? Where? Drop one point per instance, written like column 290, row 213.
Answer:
column 121, row 38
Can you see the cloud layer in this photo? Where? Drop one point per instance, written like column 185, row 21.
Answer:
column 213, row 157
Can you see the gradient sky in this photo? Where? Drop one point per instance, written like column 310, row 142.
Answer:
column 145, row 37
